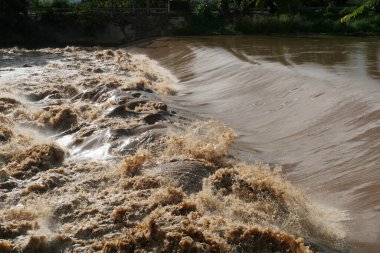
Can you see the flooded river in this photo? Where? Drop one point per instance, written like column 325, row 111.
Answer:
column 105, row 150
column 310, row 104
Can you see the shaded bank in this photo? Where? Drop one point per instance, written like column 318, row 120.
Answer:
column 91, row 30
column 100, row 27
column 208, row 24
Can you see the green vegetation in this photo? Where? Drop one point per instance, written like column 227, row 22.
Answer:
column 365, row 6
column 355, row 17
column 21, row 20
column 326, row 22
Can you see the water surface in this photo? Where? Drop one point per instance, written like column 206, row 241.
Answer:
column 309, row 103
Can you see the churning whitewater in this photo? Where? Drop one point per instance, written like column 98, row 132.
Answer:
column 93, row 160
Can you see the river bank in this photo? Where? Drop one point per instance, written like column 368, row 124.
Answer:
column 99, row 29
column 281, row 24
column 93, row 159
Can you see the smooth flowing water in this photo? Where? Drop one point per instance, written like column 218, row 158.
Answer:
column 308, row 103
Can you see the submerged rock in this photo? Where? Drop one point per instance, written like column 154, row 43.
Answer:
column 187, row 174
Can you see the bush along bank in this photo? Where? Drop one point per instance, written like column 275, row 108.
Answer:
column 94, row 27
column 304, row 23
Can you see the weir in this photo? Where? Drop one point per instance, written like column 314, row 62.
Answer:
column 308, row 103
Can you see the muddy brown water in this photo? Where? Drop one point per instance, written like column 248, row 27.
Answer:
column 309, row 103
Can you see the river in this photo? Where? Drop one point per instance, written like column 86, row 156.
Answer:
column 308, row 103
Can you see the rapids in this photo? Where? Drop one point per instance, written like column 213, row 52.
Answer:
column 106, row 150
column 94, row 159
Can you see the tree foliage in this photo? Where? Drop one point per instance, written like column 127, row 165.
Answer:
column 368, row 4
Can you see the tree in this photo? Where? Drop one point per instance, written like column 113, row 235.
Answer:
column 280, row 5
column 368, row 4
